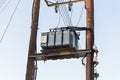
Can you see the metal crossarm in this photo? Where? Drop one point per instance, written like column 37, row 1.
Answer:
column 60, row 55
column 71, row 28
column 49, row 3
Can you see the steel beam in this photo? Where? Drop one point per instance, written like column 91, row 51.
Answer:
column 50, row 4
column 59, row 55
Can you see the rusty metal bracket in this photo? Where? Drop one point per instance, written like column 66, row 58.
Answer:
column 59, row 55
column 71, row 28
column 49, row 3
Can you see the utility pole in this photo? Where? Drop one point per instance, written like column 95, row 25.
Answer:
column 90, row 39
column 33, row 40
column 30, row 73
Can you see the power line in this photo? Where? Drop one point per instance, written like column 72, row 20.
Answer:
column 71, row 14
column 64, row 14
column 5, row 6
column 80, row 16
column 9, row 21
column 58, row 21
column 2, row 3
column 69, row 23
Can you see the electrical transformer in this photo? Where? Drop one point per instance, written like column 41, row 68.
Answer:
column 67, row 39
column 58, row 39
column 44, row 40
column 51, row 39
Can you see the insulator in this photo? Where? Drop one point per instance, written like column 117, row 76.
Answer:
column 95, row 61
column 56, row 9
column 95, row 48
column 96, row 74
column 70, row 6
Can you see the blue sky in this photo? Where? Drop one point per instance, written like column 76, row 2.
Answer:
column 14, row 46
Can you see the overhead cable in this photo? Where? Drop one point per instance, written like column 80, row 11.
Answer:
column 5, row 6
column 2, row 3
column 64, row 14
column 9, row 21
column 36, row 68
column 80, row 16
column 58, row 22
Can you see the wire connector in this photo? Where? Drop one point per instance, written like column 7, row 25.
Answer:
column 96, row 74
column 95, row 49
column 70, row 6
column 95, row 61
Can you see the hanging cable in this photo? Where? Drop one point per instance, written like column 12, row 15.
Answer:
column 9, row 21
column 35, row 75
column 2, row 3
column 5, row 6
column 79, row 45
column 64, row 14
column 71, row 16
column 69, row 19
column 69, row 23
column 60, row 12
column 80, row 16
column 58, row 21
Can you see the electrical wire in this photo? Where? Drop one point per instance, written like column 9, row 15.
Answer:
column 2, row 3
column 71, row 15
column 62, row 10
column 69, row 19
column 9, row 21
column 58, row 21
column 80, row 16
column 64, row 14
column 79, row 46
column 5, row 6
column 69, row 23
column 35, row 75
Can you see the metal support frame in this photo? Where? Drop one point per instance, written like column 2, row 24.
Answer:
column 59, row 55
column 50, row 4
column 64, row 54
column 72, row 28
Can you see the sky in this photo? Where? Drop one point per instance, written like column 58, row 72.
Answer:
column 14, row 45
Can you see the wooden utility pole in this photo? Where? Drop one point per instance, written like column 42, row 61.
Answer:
column 90, row 39
column 30, row 73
